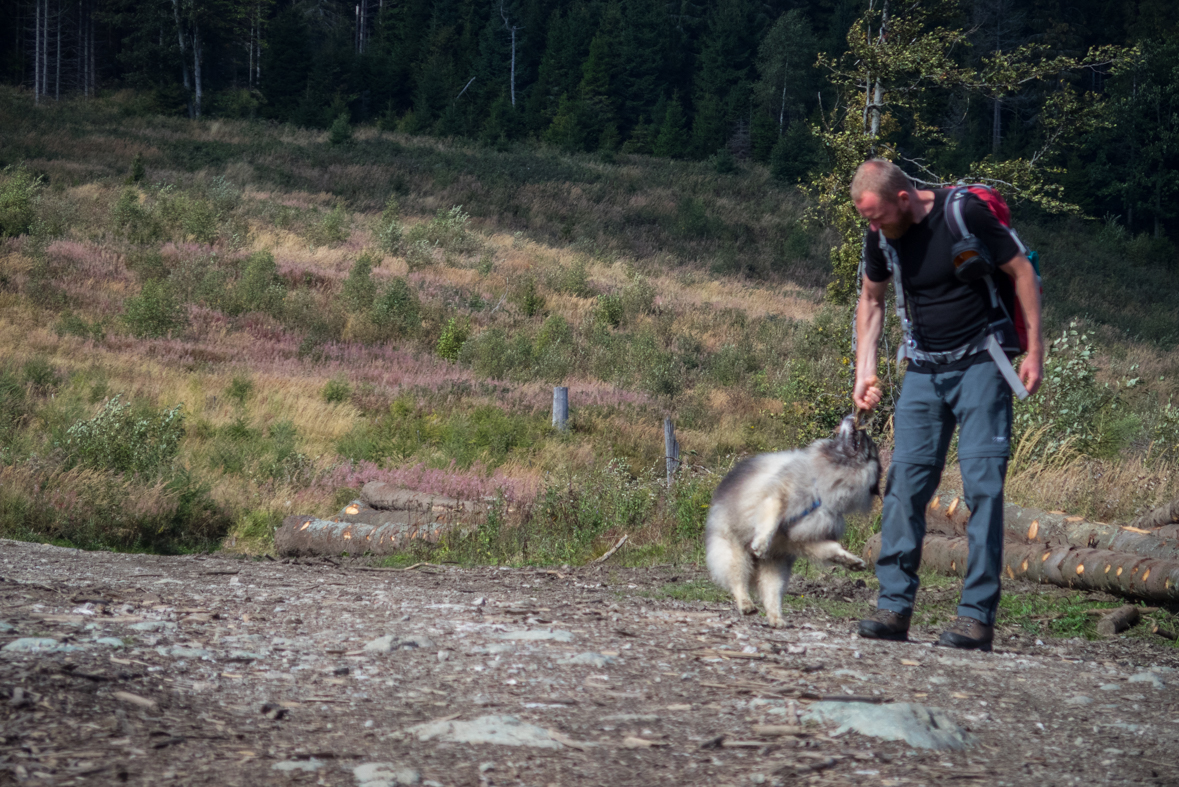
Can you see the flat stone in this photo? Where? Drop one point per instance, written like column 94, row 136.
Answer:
column 591, row 659
column 536, row 635
column 1080, row 699
column 1109, row 687
column 152, row 625
column 180, row 652
column 6, row 627
column 30, row 645
column 1147, row 677
column 636, row 718
column 110, row 642
column 851, row 673
column 384, row 774
column 390, row 643
column 917, row 725
column 502, row 730
column 308, row 766
column 244, row 655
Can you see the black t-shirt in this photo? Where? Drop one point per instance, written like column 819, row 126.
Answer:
column 945, row 313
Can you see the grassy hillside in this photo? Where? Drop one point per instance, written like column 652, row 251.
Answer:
column 282, row 319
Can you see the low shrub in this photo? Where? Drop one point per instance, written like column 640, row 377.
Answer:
column 336, row 390
column 125, row 439
column 260, row 288
column 447, row 231
column 332, row 229
column 18, row 200
column 155, row 312
column 397, row 311
column 389, row 228
column 359, row 288
column 454, row 334
column 528, row 298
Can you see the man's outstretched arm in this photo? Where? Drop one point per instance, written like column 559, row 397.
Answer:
column 1027, row 288
column 869, row 325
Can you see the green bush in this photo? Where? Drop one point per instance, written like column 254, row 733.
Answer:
column 18, row 199
column 336, row 390
column 70, row 324
column 447, row 231
column 155, row 312
column 260, row 288
column 332, row 229
column 133, row 220
column 124, row 439
column 240, row 389
column 609, row 310
column 571, row 280
column 340, row 132
column 454, row 334
column 529, row 298
column 389, row 227
column 14, row 407
column 554, row 332
column 576, row 513
column 359, row 288
column 491, row 354
column 397, row 311
column 40, row 375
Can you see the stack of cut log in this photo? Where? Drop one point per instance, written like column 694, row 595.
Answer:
column 1138, row 560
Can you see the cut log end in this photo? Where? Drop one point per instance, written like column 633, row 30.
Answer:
column 1118, row 621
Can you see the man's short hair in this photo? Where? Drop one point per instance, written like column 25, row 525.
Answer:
column 880, row 177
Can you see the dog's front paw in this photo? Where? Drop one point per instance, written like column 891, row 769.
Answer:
column 848, row 560
column 775, row 621
column 760, row 547
column 746, row 607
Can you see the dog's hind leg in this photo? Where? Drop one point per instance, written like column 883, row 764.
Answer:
column 772, row 578
column 829, row 552
column 731, row 567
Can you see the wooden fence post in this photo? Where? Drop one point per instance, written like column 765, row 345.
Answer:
column 561, row 408
column 671, row 449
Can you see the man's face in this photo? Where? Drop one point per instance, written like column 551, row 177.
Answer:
column 891, row 218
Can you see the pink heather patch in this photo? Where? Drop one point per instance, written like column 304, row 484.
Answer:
column 473, row 484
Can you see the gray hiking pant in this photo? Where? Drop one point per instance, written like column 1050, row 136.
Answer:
column 978, row 401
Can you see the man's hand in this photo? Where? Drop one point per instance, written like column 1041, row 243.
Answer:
column 1031, row 371
column 867, row 394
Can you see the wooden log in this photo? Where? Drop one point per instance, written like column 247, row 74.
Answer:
column 1164, row 633
column 1066, row 566
column 947, row 515
column 1118, row 621
column 1163, row 515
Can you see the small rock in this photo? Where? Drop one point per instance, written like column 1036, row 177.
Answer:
column 917, row 725
column 383, row 644
column 384, row 774
column 152, row 625
column 110, row 642
column 178, row 652
column 1080, row 699
column 30, row 645
column 6, row 627
column 537, row 635
column 479, row 602
column 272, row 711
column 444, row 655
column 596, row 660
column 636, row 718
column 1147, row 677
column 416, row 642
column 851, row 673
column 504, row 730
column 1109, row 687
column 308, row 766
column 481, row 700
column 486, row 766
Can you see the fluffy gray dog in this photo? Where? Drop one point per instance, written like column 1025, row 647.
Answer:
column 774, row 508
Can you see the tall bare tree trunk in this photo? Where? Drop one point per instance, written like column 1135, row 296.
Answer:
column 997, row 116
column 878, row 92
column 511, row 29
column 37, row 55
column 183, row 56
column 57, row 67
column 196, row 65
column 785, row 82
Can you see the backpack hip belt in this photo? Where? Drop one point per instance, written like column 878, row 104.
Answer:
column 989, row 341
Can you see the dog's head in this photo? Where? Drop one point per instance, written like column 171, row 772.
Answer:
column 856, row 450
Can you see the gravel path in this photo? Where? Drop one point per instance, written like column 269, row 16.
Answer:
column 147, row 670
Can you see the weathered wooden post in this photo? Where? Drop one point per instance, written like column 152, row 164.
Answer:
column 671, row 449
column 561, row 408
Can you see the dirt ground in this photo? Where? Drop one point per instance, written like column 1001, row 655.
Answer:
column 208, row 670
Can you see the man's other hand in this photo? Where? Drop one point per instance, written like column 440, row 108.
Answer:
column 1031, row 372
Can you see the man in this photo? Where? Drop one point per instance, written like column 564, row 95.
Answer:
column 944, row 318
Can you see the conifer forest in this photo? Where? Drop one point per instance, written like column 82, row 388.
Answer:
column 1082, row 94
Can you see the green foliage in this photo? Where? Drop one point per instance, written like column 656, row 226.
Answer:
column 447, row 231
column 688, row 501
column 240, row 389
column 340, row 132
column 454, row 334
column 359, row 288
column 529, row 298
column 71, row 324
column 132, row 220
column 138, row 171
column 40, row 375
column 126, row 439
column 155, row 313
column 397, row 310
column 389, row 227
column 336, row 390
column 332, row 229
column 576, row 513
column 260, row 288
column 18, row 200
column 609, row 310
column 571, row 279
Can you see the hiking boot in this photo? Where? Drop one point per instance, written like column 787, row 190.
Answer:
column 886, row 624
column 968, row 634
